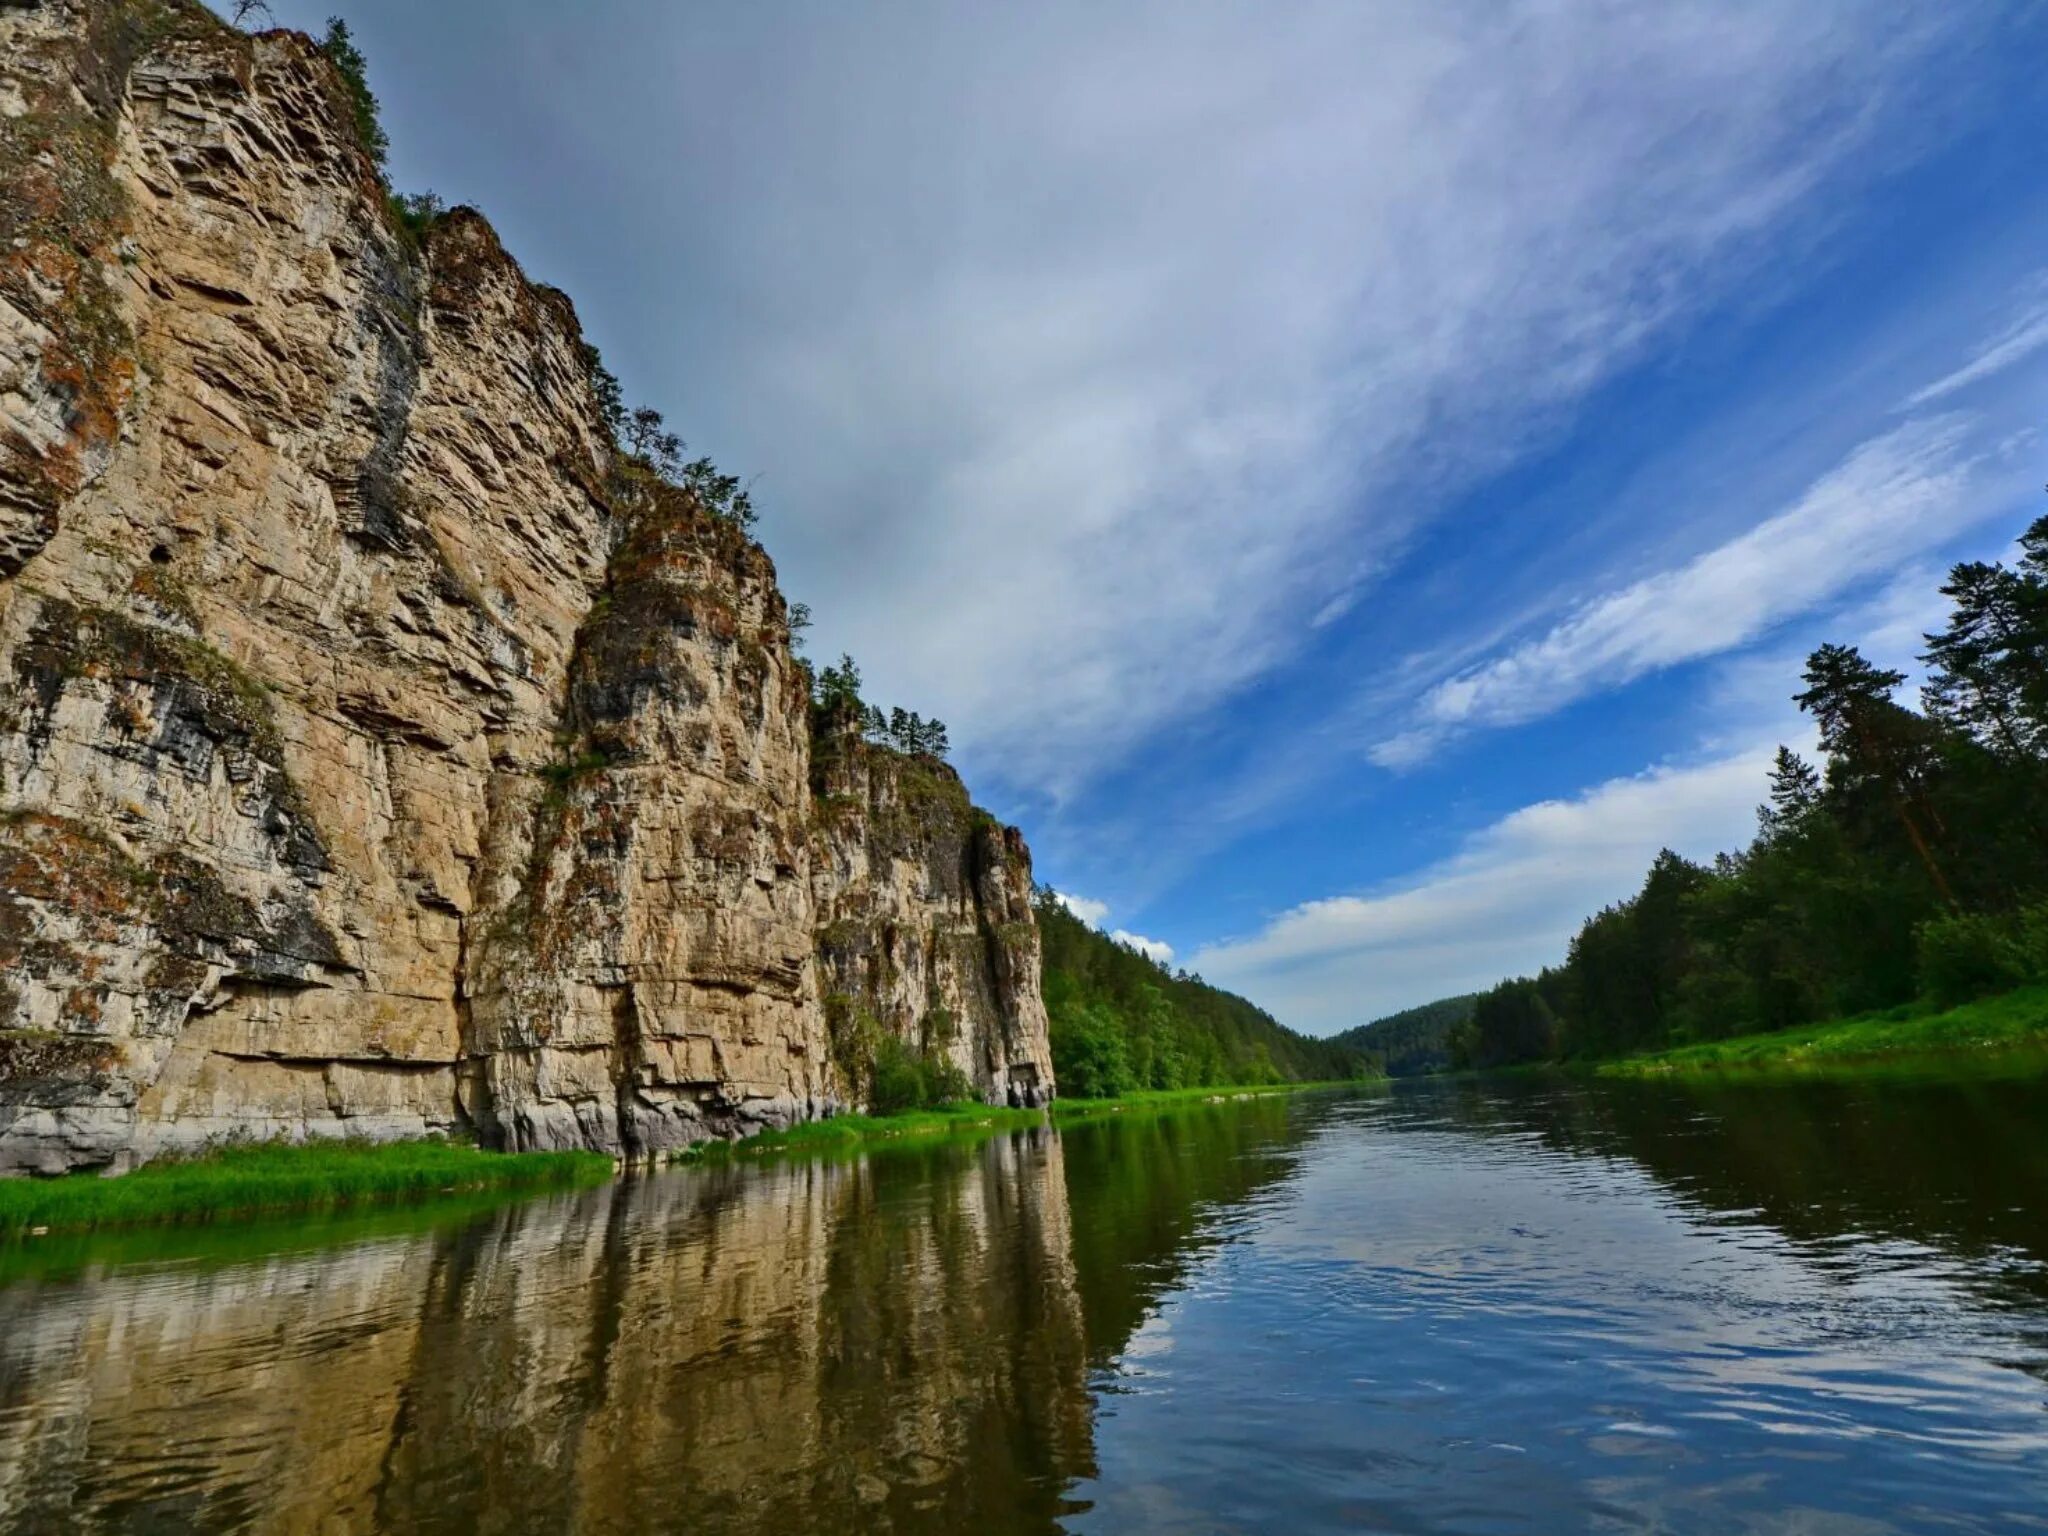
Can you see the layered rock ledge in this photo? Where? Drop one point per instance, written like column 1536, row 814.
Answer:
column 375, row 756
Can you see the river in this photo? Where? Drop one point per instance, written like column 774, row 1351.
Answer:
column 1444, row 1307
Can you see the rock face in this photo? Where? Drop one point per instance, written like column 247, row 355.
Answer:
column 380, row 753
column 792, row 1347
column 928, row 932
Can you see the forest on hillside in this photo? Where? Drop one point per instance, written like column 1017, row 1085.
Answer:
column 1122, row 1023
column 1415, row 1041
column 1910, row 864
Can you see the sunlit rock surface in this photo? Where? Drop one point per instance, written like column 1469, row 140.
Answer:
column 373, row 760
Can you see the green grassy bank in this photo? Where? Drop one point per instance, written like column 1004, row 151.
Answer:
column 1169, row 1098
column 2015, row 1022
column 262, row 1178
column 845, row 1132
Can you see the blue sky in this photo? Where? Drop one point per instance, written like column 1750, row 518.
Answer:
column 1356, row 479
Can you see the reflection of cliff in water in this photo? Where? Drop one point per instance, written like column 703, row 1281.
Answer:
column 1148, row 1192
column 1955, row 1163
column 892, row 1343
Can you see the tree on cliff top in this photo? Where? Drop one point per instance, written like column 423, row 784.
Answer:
column 354, row 69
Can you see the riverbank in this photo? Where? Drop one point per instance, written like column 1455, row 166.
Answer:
column 2014, row 1023
column 1170, row 1098
column 271, row 1177
column 845, row 1132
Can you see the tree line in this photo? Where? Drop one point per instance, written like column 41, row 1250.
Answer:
column 1911, row 864
column 1121, row 1022
column 835, row 697
column 1415, row 1041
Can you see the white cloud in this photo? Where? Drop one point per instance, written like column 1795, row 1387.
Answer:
column 1093, row 913
column 1088, row 352
column 1096, row 915
column 1505, row 903
column 1898, row 495
column 1156, row 950
column 2023, row 337
column 1509, row 900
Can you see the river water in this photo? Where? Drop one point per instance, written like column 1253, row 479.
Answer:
column 1444, row 1307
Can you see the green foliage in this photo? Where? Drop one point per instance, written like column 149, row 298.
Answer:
column 837, row 689
column 1514, row 1022
column 1913, row 864
column 891, row 1076
column 354, row 72
column 606, row 391
column 1122, row 1024
column 245, row 1178
column 1967, row 955
column 1414, row 1041
column 836, row 705
column 904, row 1078
column 908, row 731
column 1089, row 1055
column 414, row 213
column 723, row 496
column 2014, row 1024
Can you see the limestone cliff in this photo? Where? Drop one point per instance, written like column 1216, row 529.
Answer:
column 926, row 905
column 380, row 752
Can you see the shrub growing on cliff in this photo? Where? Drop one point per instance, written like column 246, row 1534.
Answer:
column 414, row 213
column 354, row 70
column 723, row 496
column 604, row 388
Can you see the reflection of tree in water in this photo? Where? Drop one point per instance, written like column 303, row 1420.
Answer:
column 1146, row 1191
column 1956, row 1164
column 899, row 1342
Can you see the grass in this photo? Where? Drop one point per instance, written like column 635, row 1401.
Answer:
column 267, row 1177
column 845, row 1132
column 2013, row 1022
column 1168, row 1098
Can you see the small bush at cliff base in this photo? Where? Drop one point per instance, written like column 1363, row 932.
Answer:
column 905, row 1079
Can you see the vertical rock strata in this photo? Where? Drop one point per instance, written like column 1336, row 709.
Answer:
column 927, row 931
column 376, row 757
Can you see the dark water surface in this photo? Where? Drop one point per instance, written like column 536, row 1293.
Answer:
column 1540, row 1307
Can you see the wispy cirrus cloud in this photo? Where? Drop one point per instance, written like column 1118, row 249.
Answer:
column 2025, row 335
column 1091, row 355
column 1908, row 490
column 1508, row 900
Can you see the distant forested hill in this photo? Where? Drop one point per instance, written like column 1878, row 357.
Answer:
column 1416, row 1040
column 1121, row 1023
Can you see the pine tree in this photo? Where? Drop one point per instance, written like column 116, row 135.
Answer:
column 1795, row 794
column 1990, row 664
column 1873, row 743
